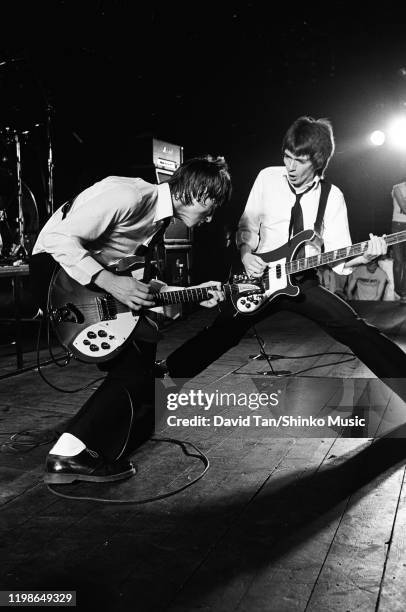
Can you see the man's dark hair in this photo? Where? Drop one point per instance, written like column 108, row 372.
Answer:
column 201, row 178
column 312, row 137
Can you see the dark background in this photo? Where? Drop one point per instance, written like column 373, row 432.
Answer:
column 225, row 78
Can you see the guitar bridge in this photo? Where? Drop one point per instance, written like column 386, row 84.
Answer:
column 106, row 307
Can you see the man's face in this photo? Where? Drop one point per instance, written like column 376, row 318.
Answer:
column 300, row 168
column 201, row 211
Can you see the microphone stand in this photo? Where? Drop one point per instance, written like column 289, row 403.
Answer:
column 264, row 355
column 50, row 200
column 21, row 251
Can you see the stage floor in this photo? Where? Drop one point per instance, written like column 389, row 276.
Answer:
column 279, row 523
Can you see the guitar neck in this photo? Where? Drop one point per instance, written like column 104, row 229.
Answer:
column 306, row 263
column 182, row 296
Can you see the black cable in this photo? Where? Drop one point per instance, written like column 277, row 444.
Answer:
column 261, row 344
column 321, row 365
column 60, row 389
column 28, row 445
column 66, row 358
column 183, row 444
column 301, row 356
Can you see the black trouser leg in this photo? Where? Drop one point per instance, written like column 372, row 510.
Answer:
column 119, row 416
column 399, row 262
column 208, row 345
column 335, row 316
column 386, row 360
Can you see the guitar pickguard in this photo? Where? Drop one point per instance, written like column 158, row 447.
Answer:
column 105, row 337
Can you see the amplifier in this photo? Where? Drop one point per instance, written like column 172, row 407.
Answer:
column 178, row 264
column 176, row 232
column 166, row 156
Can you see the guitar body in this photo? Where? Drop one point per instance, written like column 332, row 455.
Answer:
column 94, row 327
column 87, row 323
column 275, row 280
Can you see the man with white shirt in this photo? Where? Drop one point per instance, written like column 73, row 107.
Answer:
column 111, row 220
column 283, row 201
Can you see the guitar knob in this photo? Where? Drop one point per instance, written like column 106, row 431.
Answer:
column 248, row 305
column 91, row 334
column 105, row 345
column 86, row 341
column 94, row 347
column 102, row 333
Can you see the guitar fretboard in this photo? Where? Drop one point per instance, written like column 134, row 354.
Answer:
column 193, row 294
column 305, row 263
column 190, row 295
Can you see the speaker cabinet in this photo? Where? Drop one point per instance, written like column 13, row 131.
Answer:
column 178, row 264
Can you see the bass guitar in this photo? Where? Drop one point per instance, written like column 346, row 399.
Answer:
column 94, row 327
column 281, row 263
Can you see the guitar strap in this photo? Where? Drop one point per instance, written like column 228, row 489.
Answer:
column 309, row 277
column 325, row 188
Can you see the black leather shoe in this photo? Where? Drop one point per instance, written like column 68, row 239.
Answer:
column 87, row 465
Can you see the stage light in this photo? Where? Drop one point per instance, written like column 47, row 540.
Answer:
column 377, row 138
column 397, row 133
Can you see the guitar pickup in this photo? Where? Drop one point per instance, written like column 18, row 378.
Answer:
column 106, row 307
column 67, row 314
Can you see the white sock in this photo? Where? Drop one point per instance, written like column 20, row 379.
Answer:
column 68, row 446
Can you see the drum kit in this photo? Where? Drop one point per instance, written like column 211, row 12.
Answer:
column 19, row 214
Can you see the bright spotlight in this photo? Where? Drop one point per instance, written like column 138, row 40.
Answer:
column 377, row 138
column 397, row 133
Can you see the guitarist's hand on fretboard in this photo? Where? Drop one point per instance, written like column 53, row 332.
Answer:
column 217, row 294
column 377, row 246
column 126, row 289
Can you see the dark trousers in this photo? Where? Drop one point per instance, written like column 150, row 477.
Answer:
column 119, row 416
column 399, row 261
column 334, row 316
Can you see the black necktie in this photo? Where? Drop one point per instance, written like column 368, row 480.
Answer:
column 296, row 217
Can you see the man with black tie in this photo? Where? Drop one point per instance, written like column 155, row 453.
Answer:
column 283, row 201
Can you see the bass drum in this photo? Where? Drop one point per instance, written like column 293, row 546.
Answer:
column 9, row 213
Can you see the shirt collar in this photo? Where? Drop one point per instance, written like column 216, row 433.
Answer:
column 164, row 207
column 315, row 181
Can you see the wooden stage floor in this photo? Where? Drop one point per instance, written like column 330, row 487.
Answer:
column 279, row 523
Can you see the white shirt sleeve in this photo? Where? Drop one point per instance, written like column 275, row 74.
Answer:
column 336, row 232
column 250, row 222
column 67, row 239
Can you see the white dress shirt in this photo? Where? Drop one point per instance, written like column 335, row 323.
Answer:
column 399, row 195
column 264, row 225
column 106, row 223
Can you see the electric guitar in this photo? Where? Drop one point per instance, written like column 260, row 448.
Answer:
column 281, row 264
column 94, row 327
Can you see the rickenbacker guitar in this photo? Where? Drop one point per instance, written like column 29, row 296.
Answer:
column 94, row 327
column 281, row 264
